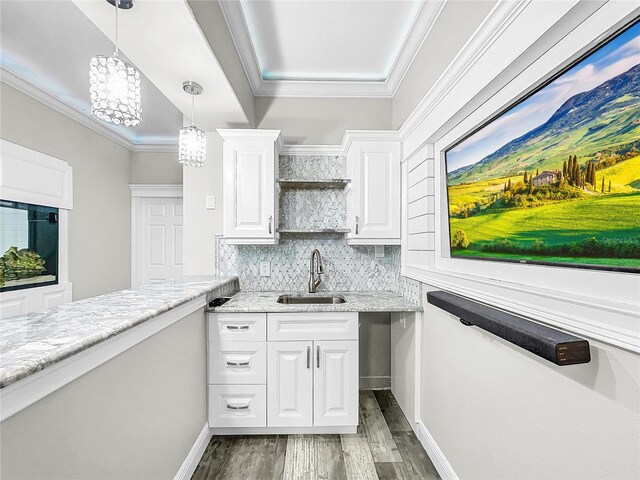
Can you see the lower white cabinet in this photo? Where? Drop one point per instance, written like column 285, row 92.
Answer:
column 302, row 379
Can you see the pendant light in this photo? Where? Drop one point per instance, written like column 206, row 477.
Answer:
column 192, row 142
column 115, row 84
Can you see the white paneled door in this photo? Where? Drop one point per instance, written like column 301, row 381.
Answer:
column 159, row 240
column 336, row 373
column 289, row 384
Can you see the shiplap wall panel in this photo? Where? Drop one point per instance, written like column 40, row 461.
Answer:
column 419, row 251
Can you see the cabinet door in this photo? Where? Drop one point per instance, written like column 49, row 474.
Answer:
column 249, row 193
column 335, row 383
column 289, row 384
column 376, row 211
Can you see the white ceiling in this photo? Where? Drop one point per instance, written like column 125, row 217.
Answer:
column 45, row 51
column 328, row 48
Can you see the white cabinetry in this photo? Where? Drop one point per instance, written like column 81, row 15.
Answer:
column 306, row 382
column 374, row 209
column 250, row 163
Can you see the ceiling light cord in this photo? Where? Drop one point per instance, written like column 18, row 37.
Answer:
column 117, row 8
column 193, row 110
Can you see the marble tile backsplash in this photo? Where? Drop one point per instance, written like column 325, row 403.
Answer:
column 346, row 267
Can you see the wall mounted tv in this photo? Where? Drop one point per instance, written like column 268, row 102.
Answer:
column 555, row 178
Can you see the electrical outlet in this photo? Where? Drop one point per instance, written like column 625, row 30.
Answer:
column 210, row 202
column 265, row 269
column 379, row 249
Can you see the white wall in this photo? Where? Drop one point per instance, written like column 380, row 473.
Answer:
column 498, row 411
column 100, row 223
column 321, row 121
column 457, row 21
column 156, row 168
column 200, row 224
column 494, row 409
column 135, row 416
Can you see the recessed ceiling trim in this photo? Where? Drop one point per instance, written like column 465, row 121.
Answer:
column 17, row 82
column 239, row 30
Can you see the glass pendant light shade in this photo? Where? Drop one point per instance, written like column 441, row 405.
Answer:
column 192, row 147
column 115, row 91
column 115, row 84
column 192, row 142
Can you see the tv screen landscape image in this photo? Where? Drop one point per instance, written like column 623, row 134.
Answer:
column 555, row 179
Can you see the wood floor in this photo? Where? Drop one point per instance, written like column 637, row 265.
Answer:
column 384, row 448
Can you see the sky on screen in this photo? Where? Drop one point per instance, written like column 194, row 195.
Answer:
column 614, row 58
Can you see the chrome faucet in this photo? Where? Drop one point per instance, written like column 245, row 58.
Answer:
column 315, row 268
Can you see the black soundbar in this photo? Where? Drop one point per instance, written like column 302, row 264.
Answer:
column 558, row 347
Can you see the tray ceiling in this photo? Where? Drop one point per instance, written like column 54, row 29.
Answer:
column 328, row 48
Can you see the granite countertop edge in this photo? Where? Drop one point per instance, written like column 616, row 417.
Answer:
column 169, row 295
column 371, row 301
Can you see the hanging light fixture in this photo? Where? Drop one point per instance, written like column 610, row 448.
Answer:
column 115, row 84
column 192, row 142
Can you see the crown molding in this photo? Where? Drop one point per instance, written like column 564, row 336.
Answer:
column 271, row 135
column 10, row 78
column 494, row 24
column 237, row 24
column 422, row 25
column 349, row 137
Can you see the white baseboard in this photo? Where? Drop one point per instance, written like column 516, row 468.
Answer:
column 436, row 455
column 195, row 454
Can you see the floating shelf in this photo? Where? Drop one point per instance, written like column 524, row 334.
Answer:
column 314, row 230
column 322, row 183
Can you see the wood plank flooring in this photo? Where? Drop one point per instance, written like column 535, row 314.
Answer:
column 384, row 448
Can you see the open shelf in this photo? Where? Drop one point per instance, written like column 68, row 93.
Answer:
column 322, row 183
column 314, row 230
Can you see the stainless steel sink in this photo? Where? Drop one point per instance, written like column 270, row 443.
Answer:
column 310, row 299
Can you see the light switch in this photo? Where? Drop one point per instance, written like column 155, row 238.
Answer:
column 379, row 249
column 265, row 269
column 210, row 202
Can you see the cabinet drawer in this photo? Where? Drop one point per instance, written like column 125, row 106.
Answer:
column 237, row 406
column 237, row 327
column 312, row 326
column 239, row 363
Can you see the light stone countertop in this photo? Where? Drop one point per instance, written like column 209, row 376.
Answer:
column 356, row 301
column 32, row 342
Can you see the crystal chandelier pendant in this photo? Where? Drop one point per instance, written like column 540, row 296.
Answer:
column 192, row 147
column 115, row 91
column 192, row 142
column 115, row 84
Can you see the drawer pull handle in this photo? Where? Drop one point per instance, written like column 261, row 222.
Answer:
column 237, row 327
column 318, row 355
column 308, row 357
column 238, row 364
column 238, row 407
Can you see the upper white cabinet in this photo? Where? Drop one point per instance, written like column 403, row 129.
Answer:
column 250, row 163
column 374, row 209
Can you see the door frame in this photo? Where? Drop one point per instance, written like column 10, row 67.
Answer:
column 138, row 193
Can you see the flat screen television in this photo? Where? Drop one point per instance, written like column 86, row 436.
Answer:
column 555, row 178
